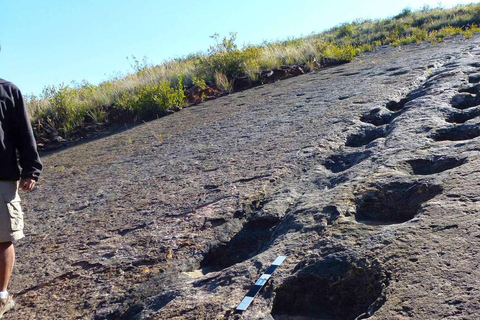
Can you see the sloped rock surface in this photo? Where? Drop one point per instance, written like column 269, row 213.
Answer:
column 364, row 175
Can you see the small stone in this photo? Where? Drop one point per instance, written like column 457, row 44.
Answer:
column 58, row 139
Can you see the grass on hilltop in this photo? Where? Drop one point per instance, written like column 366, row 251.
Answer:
column 151, row 91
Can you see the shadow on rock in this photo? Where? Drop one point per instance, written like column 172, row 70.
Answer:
column 394, row 202
column 339, row 286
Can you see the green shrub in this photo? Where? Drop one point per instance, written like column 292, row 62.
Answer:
column 199, row 82
column 345, row 31
column 449, row 31
column 222, row 57
column 226, row 58
column 151, row 101
column 340, row 53
column 405, row 13
column 64, row 114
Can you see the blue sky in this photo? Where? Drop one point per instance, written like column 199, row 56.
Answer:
column 58, row 41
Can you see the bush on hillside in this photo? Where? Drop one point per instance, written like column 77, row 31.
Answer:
column 152, row 101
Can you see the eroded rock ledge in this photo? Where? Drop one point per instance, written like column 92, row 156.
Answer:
column 364, row 175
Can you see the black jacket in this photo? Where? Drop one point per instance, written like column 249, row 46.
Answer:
column 16, row 135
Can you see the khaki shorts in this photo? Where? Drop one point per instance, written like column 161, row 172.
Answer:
column 11, row 215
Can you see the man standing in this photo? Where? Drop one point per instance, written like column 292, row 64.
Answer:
column 17, row 147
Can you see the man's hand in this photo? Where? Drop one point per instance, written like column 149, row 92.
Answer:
column 27, row 184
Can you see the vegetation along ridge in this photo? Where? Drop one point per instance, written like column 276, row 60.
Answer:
column 153, row 91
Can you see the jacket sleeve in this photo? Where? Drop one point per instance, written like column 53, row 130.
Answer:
column 25, row 141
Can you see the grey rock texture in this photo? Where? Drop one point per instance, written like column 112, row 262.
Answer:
column 364, row 175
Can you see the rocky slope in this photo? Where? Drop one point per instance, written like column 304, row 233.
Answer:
column 364, row 175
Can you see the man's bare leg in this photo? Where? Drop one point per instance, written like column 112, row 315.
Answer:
column 7, row 259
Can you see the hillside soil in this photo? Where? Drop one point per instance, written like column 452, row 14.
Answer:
column 365, row 176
